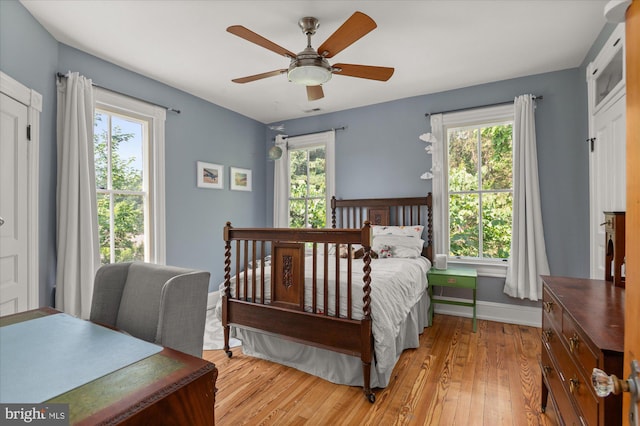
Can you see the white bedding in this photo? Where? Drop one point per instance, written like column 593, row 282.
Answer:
column 398, row 285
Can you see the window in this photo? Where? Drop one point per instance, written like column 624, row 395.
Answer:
column 128, row 149
column 477, row 186
column 307, row 187
column 309, row 183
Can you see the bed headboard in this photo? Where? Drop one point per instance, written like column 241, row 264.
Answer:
column 386, row 211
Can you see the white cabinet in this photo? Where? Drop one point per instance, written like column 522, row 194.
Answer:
column 607, row 138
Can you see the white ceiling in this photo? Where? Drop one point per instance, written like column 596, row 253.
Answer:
column 433, row 45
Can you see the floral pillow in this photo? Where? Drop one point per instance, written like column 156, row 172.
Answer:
column 400, row 246
column 405, row 231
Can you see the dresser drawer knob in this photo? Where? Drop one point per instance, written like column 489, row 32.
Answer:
column 548, row 306
column 574, row 342
column 547, row 335
column 547, row 369
column 574, row 384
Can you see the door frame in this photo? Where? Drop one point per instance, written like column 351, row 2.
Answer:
column 33, row 101
column 632, row 296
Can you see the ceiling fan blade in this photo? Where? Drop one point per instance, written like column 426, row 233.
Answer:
column 249, row 35
column 364, row 71
column 259, row 76
column 314, row 93
column 353, row 29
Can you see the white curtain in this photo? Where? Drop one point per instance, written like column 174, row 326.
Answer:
column 528, row 254
column 440, row 204
column 281, row 185
column 77, row 217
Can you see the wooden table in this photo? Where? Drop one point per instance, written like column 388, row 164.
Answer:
column 169, row 388
column 453, row 277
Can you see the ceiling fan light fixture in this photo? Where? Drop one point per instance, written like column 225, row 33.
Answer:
column 309, row 71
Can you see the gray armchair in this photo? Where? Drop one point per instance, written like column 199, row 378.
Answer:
column 160, row 304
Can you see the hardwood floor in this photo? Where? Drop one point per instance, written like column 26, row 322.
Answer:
column 455, row 377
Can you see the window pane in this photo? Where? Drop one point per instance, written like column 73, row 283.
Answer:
column 463, row 225
column 316, row 172
column 297, row 212
column 103, row 228
column 101, row 149
column 317, row 213
column 128, row 230
column 126, row 154
column 298, row 174
column 497, row 160
column 463, row 159
column 496, row 225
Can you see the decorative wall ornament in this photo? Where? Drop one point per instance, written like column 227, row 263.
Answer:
column 429, row 139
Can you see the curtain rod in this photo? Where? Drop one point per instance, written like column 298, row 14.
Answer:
column 177, row 111
column 313, row 133
column 476, row 107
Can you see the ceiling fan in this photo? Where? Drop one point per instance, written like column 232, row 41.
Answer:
column 310, row 67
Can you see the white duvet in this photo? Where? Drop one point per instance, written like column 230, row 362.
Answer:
column 397, row 284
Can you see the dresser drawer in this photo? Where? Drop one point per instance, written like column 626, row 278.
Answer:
column 578, row 346
column 576, row 386
column 451, row 279
column 561, row 400
column 552, row 310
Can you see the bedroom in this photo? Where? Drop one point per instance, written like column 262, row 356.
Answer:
column 207, row 132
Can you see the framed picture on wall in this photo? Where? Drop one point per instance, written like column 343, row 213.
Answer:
column 210, row 175
column 240, row 179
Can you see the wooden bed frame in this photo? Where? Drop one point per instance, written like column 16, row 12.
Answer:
column 285, row 315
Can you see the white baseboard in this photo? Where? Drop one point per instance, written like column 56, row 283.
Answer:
column 491, row 311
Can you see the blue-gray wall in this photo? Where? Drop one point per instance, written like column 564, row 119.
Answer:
column 202, row 132
column 378, row 154
column 29, row 54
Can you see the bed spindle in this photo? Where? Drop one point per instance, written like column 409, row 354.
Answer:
column 245, row 281
column 227, row 291
column 238, row 269
column 349, row 282
column 262, row 252
column 254, row 268
column 337, row 280
column 325, row 306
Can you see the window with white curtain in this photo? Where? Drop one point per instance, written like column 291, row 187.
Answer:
column 476, row 187
column 129, row 166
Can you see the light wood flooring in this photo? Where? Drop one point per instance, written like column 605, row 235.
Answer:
column 455, row 377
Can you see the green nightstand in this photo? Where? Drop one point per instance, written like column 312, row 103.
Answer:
column 453, row 277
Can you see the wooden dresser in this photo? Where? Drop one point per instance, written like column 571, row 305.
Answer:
column 582, row 328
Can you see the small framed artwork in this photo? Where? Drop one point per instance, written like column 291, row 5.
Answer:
column 240, row 179
column 210, row 175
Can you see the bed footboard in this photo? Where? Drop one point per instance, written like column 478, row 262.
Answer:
column 299, row 294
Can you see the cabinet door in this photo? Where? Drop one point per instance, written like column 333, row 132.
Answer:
column 607, row 178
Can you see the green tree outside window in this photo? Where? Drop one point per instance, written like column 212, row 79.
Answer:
column 480, row 191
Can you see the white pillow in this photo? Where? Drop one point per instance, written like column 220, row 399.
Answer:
column 401, row 246
column 407, row 231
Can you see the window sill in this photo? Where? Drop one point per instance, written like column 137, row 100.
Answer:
column 485, row 269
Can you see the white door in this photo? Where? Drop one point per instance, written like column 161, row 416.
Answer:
column 607, row 176
column 14, row 289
